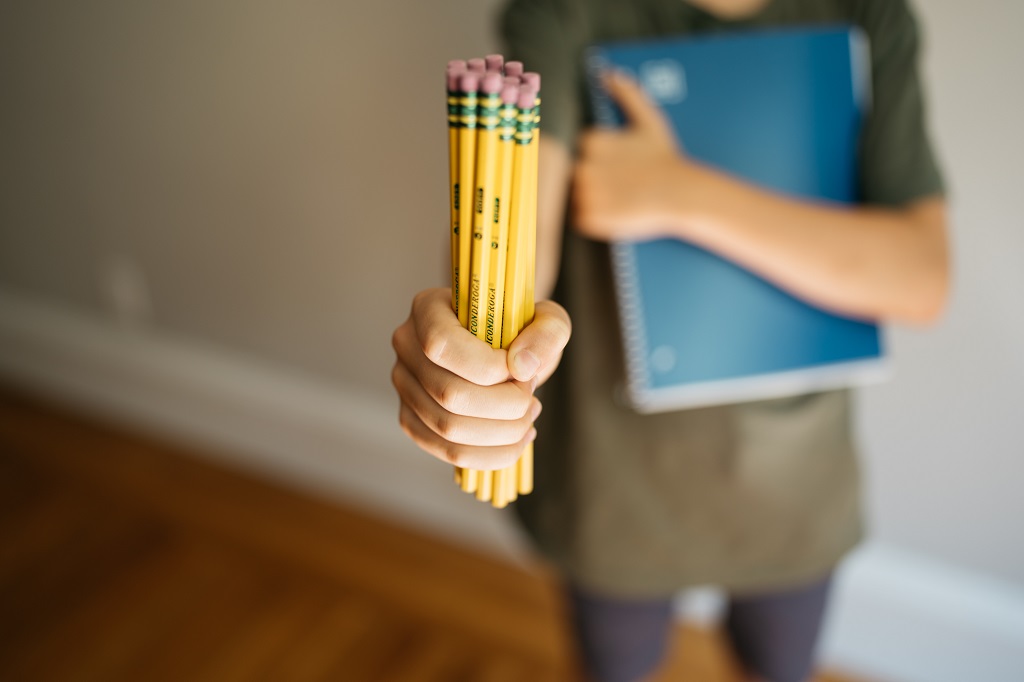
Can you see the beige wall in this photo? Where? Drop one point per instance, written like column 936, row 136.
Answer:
column 231, row 154
column 275, row 170
column 945, row 440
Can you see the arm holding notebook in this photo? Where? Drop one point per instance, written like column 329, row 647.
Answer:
column 873, row 262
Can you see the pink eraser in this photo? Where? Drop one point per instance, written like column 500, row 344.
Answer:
column 527, row 97
column 453, row 76
column 532, row 79
column 491, row 83
column 477, row 65
column 494, row 62
column 513, row 68
column 457, row 64
column 469, row 81
column 510, row 93
column 513, row 80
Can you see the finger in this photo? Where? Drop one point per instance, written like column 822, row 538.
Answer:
column 638, row 107
column 538, row 348
column 457, row 428
column 485, row 458
column 447, row 344
column 596, row 141
column 453, row 393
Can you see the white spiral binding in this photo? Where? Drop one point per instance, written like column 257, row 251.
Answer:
column 631, row 316
column 623, row 257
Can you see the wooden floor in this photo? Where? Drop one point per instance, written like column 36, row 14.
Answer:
column 124, row 558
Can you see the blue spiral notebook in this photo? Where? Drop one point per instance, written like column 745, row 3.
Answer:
column 781, row 109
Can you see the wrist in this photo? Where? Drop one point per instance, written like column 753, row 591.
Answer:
column 703, row 202
column 691, row 183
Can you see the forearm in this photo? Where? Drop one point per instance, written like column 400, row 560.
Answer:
column 864, row 262
column 554, row 172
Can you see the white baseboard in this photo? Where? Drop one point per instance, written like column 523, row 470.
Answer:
column 246, row 412
column 898, row 615
column 895, row 616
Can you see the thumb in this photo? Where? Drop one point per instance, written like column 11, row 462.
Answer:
column 639, row 108
column 537, row 350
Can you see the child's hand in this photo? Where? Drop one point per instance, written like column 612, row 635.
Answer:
column 463, row 401
column 629, row 183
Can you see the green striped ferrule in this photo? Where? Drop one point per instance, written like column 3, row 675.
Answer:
column 467, row 110
column 507, row 128
column 453, row 109
column 524, row 126
column 489, row 116
column 536, row 114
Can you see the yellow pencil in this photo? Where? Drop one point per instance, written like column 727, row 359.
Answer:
column 467, row 86
column 492, row 144
column 486, row 188
column 531, row 81
column 500, row 215
column 456, row 68
column 499, row 245
column 515, row 271
column 467, row 168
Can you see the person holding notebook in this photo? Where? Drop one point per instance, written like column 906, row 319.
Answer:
column 760, row 498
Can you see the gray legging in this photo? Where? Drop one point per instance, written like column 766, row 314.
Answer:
column 773, row 634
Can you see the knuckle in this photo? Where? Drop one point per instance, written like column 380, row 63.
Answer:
column 587, row 142
column 403, row 421
column 596, row 141
column 561, row 331
column 420, row 300
column 581, row 201
column 434, row 344
column 446, row 427
column 453, row 454
column 510, row 454
column 398, row 337
column 520, row 410
column 450, row 397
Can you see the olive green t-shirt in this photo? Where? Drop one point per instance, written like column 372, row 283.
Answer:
column 752, row 496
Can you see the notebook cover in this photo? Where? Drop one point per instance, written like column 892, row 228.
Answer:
column 781, row 109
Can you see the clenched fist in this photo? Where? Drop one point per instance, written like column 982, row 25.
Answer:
column 463, row 401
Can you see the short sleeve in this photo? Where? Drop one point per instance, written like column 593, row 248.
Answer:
column 897, row 161
column 544, row 35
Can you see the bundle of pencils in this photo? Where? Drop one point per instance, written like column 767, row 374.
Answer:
column 493, row 116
